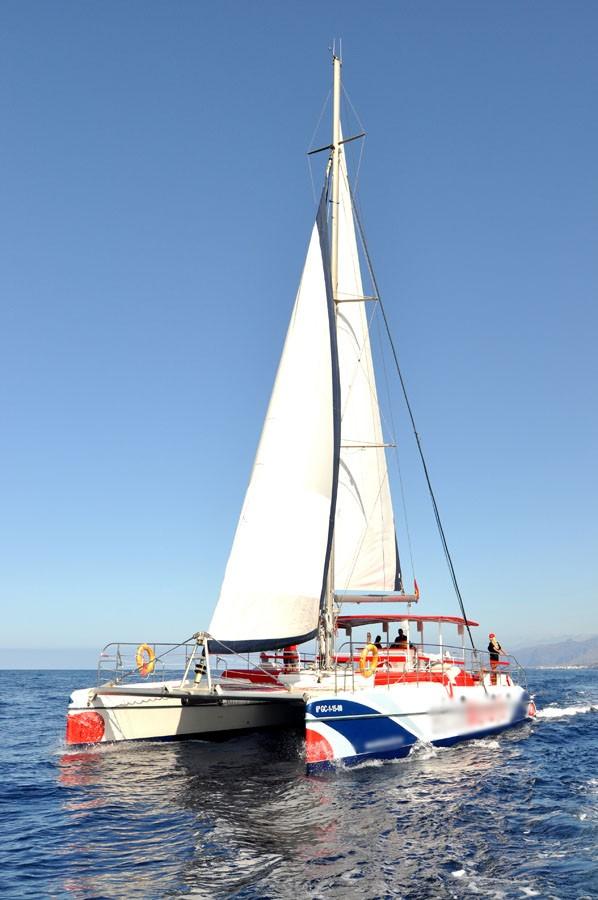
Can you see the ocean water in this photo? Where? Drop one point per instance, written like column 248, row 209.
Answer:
column 506, row 817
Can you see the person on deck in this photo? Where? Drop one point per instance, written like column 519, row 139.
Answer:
column 401, row 640
column 494, row 651
column 378, row 642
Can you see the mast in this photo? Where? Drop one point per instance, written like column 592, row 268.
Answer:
column 327, row 625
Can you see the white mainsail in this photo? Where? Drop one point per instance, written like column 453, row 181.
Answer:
column 274, row 579
column 306, row 476
column 365, row 553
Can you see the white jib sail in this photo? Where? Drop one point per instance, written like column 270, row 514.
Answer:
column 365, row 554
column 274, row 576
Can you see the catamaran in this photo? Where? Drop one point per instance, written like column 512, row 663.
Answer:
column 316, row 535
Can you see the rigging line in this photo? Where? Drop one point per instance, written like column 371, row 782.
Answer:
column 348, row 216
column 241, row 656
column 396, row 455
column 415, row 432
column 353, row 110
column 311, row 178
column 362, row 127
column 359, row 161
column 156, row 659
column 324, row 105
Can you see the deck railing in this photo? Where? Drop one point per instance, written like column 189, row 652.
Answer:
column 427, row 659
column 118, row 662
column 417, row 664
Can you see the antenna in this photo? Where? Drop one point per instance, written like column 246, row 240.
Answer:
column 332, row 48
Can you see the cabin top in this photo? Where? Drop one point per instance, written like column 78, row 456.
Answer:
column 373, row 619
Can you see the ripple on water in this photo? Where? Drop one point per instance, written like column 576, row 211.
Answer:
column 511, row 816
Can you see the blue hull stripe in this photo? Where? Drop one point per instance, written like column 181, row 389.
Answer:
column 400, row 752
column 380, row 737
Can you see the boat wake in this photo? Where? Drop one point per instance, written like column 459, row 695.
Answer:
column 366, row 764
column 560, row 712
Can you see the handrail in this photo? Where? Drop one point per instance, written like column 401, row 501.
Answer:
column 117, row 659
column 421, row 661
column 117, row 663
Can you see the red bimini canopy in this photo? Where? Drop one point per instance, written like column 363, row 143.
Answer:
column 355, row 621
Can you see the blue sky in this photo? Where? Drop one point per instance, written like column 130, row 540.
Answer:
column 156, row 206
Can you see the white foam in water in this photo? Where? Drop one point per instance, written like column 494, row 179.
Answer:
column 557, row 712
column 488, row 743
column 366, row 764
column 423, row 750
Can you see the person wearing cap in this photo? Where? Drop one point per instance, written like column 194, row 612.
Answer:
column 494, row 650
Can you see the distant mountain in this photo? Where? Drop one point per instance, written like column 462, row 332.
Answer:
column 568, row 652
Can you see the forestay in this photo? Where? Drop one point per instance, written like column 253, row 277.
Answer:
column 275, row 574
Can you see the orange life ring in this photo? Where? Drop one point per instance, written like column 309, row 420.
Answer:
column 367, row 664
column 145, row 659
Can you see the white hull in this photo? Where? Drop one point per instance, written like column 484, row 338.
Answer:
column 341, row 726
column 99, row 718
